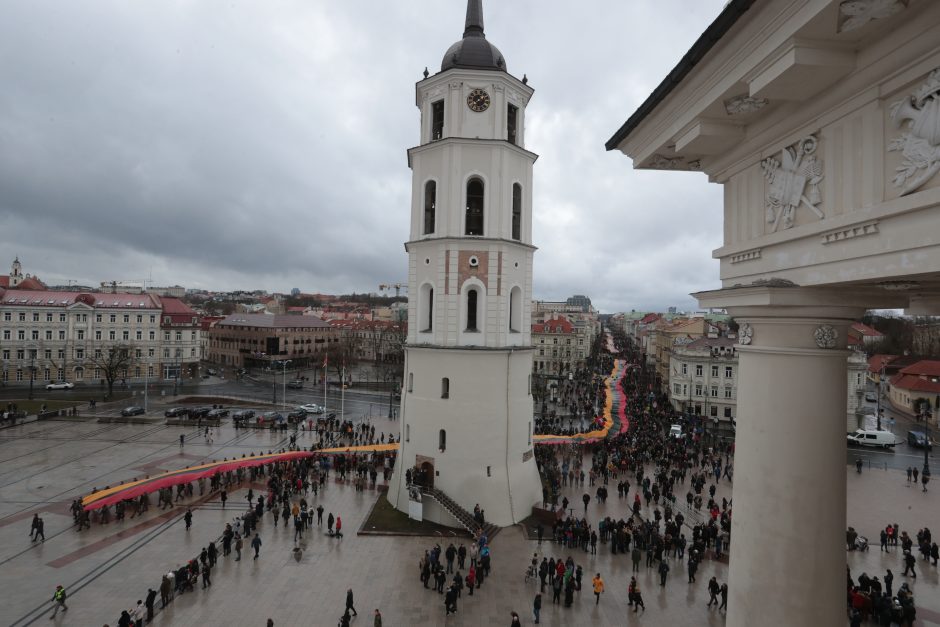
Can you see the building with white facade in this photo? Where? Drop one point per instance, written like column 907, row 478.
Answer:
column 703, row 378
column 50, row 336
column 559, row 348
column 820, row 120
column 466, row 410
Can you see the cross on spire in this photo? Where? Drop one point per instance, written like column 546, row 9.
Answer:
column 474, row 24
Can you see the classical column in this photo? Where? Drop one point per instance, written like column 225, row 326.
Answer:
column 789, row 495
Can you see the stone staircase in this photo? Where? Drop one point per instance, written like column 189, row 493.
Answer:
column 464, row 517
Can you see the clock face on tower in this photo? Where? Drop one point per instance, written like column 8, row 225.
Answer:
column 478, row 100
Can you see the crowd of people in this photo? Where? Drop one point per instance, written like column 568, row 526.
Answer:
column 438, row 566
column 672, row 515
column 649, row 470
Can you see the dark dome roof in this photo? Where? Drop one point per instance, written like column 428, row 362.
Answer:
column 474, row 51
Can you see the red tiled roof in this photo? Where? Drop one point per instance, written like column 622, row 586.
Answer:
column 176, row 306
column 554, row 325
column 648, row 318
column 915, row 383
column 925, row 367
column 875, row 362
column 49, row 298
column 31, row 283
column 4, row 280
column 866, row 330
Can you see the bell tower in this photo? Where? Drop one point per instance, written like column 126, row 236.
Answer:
column 466, row 406
column 16, row 272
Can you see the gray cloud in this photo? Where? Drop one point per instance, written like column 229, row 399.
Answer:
column 262, row 145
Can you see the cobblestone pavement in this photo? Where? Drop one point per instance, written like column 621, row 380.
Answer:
column 44, row 465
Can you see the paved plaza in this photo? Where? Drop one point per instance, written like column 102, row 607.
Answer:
column 44, row 465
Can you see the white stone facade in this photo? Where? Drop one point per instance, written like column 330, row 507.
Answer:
column 703, row 379
column 466, row 408
column 821, row 119
column 61, row 334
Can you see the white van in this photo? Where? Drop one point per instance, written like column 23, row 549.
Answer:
column 872, row 437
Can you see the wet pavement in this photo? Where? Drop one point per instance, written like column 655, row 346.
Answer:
column 44, row 465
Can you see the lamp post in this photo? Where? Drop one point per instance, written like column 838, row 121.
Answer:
column 32, row 375
column 284, row 381
column 880, row 379
column 176, row 379
column 146, row 383
column 925, row 473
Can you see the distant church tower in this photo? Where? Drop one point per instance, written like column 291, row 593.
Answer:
column 16, row 272
column 466, row 409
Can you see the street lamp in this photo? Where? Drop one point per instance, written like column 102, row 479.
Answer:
column 925, row 473
column 284, row 384
column 880, row 379
column 176, row 379
column 32, row 375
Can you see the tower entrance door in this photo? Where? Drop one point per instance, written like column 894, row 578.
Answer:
column 424, row 471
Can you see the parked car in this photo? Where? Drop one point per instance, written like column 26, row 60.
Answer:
column 177, row 412
column 872, row 437
column 60, row 385
column 243, row 416
column 871, row 397
column 212, row 372
column 199, row 412
column 311, row 408
column 217, row 413
column 675, row 431
column 918, row 439
column 272, row 416
column 296, row 416
column 296, row 384
column 132, row 411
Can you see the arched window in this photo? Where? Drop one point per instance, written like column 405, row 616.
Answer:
column 442, row 440
column 411, row 381
column 515, row 310
column 445, row 387
column 430, row 202
column 426, row 309
column 474, row 220
column 516, row 211
column 472, row 309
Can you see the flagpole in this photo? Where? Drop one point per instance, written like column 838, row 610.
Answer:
column 342, row 395
column 326, row 377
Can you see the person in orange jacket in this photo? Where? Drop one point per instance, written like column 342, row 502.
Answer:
column 598, row 584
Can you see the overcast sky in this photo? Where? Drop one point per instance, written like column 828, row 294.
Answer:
column 261, row 145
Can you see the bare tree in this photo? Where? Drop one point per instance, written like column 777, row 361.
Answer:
column 344, row 353
column 114, row 362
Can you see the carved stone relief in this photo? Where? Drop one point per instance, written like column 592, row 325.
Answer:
column 660, row 162
column 745, row 334
column 918, row 116
column 793, row 182
column 744, row 103
column 825, row 336
column 854, row 14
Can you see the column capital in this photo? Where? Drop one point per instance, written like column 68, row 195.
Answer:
column 790, row 301
column 788, row 318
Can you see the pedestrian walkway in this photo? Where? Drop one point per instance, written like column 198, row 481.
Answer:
column 43, row 466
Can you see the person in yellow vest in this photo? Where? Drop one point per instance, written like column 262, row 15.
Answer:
column 58, row 598
column 598, row 584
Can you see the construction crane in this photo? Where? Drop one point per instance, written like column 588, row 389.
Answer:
column 393, row 286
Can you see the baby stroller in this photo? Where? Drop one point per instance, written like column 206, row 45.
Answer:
column 861, row 543
column 531, row 573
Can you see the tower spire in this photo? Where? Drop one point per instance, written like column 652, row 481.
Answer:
column 474, row 24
